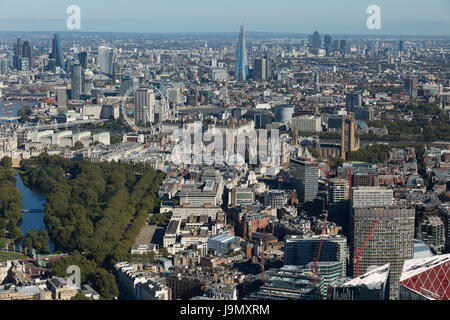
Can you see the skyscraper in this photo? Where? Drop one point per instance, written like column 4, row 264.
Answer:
column 305, row 178
column 4, row 66
column 343, row 47
column 22, row 55
column 144, row 106
column 57, row 52
column 316, row 40
column 106, row 59
column 392, row 241
column 241, row 71
column 83, row 58
column 61, row 97
column 352, row 100
column 76, row 81
column 261, row 69
column 26, row 51
column 327, row 41
column 17, row 54
column 410, row 86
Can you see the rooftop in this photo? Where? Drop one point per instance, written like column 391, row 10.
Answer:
column 373, row 279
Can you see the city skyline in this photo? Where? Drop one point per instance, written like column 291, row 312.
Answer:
column 345, row 17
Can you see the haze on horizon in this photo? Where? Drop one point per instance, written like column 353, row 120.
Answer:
column 399, row 17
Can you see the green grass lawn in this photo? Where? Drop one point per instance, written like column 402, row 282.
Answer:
column 11, row 256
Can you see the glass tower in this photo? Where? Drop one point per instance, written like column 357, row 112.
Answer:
column 57, row 52
column 241, row 72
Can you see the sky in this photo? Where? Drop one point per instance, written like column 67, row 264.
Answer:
column 398, row 17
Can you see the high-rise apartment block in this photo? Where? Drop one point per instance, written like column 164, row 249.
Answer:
column 144, row 106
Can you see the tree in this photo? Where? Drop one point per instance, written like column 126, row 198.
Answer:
column 80, row 296
column 106, row 284
column 78, row 145
column 6, row 162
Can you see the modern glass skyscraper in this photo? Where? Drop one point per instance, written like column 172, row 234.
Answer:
column 106, row 59
column 57, row 52
column 305, row 178
column 241, row 72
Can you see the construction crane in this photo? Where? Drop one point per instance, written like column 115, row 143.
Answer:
column 358, row 254
column 263, row 248
column 316, row 260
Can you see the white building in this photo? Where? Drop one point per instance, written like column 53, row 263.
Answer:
column 307, row 124
column 220, row 291
column 372, row 197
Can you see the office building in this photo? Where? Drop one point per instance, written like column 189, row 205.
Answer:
column 426, row 279
column 4, row 66
column 432, row 231
column 252, row 223
column 372, row 197
column 199, row 194
column 410, row 87
column 220, row 291
column 219, row 74
column 22, row 55
column 241, row 197
column 275, row 199
column 301, row 250
column 339, row 192
column 241, row 70
column 144, row 106
column 401, row 46
column 61, row 97
column 56, row 53
column 327, row 41
column 343, row 47
column 128, row 83
column 223, row 244
column 304, row 176
column 261, row 69
column 83, row 59
column 352, row 100
column 373, row 285
column 106, row 59
column 316, row 40
column 328, row 271
column 288, row 283
column 17, row 54
column 76, row 82
column 392, row 240
column 307, row 124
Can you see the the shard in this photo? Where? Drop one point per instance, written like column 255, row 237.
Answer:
column 241, row 72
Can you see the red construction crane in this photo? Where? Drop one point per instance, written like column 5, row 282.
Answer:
column 263, row 247
column 316, row 260
column 358, row 254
